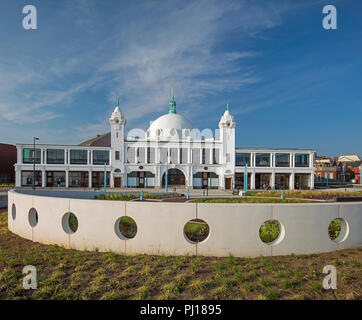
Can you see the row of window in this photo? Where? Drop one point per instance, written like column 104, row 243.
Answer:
column 174, row 155
column 57, row 156
column 55, row 178
column 265, row 159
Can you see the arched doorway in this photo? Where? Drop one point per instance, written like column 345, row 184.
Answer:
column 175, row 178
column 117, row 178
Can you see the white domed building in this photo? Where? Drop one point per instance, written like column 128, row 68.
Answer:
column 171, row 150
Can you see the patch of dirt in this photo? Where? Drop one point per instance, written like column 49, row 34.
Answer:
column 70, row 274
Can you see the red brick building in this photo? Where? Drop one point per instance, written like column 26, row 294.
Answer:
column 7, row 161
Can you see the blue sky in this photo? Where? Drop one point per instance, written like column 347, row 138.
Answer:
column 289, row 82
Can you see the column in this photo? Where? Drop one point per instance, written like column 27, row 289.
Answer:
column 189, row 155
column 168, row 154
column 252, row 181
column 89, row 178
column 17, row 177
column 178, row 155
column 45, row 156
column 273, row 180
column 291, row 181
column 111, row 179
column 312, row 181
column 42, row 156
column 67, row 178
column 20, row 155
column 43, row 178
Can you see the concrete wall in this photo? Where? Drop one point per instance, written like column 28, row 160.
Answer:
column 234, row 228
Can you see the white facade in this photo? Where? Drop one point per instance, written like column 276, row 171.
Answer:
column 192, row 159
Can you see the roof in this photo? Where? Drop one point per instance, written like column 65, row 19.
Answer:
column 273, row 149
column 349, row 158
column 168, row 124
column 101, row 140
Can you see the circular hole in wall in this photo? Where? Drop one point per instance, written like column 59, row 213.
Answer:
column 271, row 232
column 338, row 230
column 33, row 217
column 13, row 211
column 196, row 230
column 126, row 228
column 70, row 223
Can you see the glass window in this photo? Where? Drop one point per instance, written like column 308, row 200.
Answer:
column 78, row 156
column 78, row 179
column 117, row 155
column 215, row 156
column 27, row 178
column 301, row 160
column 262, row 159
column 241, row 159
column 282, row 160
column 100, row 157
column 28, row 154
column 55, row 156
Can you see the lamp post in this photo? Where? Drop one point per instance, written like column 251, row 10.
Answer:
column 34, row 138
column 105, row 178
column 246, row 179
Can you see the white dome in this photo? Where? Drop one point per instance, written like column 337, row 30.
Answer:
column 168, row 125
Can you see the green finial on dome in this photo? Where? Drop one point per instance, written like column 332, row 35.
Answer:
column 227, row 107
column 172, row 103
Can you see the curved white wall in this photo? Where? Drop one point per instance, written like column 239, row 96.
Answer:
column 234, row 228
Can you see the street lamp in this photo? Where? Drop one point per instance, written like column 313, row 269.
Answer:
column 35, row 138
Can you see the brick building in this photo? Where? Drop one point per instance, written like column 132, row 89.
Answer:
column 7, row 161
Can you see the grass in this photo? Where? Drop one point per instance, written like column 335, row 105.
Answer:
column 134, row 196
column 307, row 194
column 269, row 231
column 69, row 274
column 249, row 200
column 127, row 227
column 196, row 231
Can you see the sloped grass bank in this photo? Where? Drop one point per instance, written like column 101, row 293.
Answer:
column 71, row 274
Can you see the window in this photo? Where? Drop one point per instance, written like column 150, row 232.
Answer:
column 262, row 159
column 301, row 160
column 242, row 159
column 150, row 155
column 28, row 155
column 282, row 160
column 203, row 156
column 55, row 156
column 100, row 157
column 27, row 178
column 117, row 155
column 78, row 156
column 195, row 156
column 215, row 156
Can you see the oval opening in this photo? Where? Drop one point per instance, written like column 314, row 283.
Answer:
column 338, row 230
column 196, row 230
column 13, row 211
column 271, row 232
column 70, row 223
column 126, row 228
column 33, row 217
